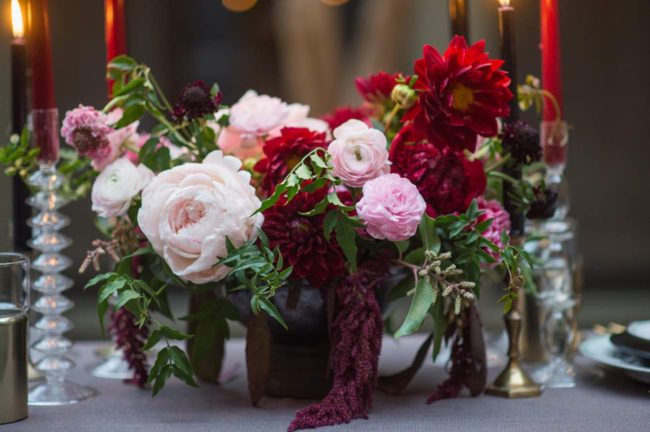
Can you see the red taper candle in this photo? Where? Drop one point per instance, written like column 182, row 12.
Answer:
column 41, row 55
column 115, row 32
column 551, row 63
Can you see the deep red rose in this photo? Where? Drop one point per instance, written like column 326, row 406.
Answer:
column 376, row 88
column 461, row 94
column 284, row 152
column 342, row 114
column 301, row 239
column 446, row 179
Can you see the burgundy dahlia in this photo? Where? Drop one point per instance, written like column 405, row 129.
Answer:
column 521, row 140
column 196, row 101
column 446, row 179
column 301, row 239
column 376, row 88
column 342, row 114
column 462, row 93
column 283, row 152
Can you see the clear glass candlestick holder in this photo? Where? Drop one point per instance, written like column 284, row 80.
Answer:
column 50, row 344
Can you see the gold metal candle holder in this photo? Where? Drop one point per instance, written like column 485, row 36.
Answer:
column 513, row 382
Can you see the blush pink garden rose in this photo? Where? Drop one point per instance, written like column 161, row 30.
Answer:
column 116, row 185
column 391, row 207
column 252, row 118
column 188, row 212
column 358, row 153
column 299, row 117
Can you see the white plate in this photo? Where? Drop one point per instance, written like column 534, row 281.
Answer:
column 640, row 329
column 600, row 349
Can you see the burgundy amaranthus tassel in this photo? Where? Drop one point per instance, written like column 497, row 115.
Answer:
column 356, row 342
column 130, row 338
column 461, row 364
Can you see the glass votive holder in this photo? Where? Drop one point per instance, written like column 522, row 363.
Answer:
column 14, row 306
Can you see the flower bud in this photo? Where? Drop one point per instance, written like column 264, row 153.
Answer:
column 404, row 96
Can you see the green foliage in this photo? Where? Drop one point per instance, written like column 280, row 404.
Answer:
column 18, row 157
column 257, row 267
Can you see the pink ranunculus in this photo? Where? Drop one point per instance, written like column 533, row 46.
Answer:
column 116, row 185
column 358, row 153
column 188, row 212
column 492, row 210
column 391, row 207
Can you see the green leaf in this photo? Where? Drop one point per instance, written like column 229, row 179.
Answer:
column 161, row 379
column 161, row 360
column 152, row 340
column 415, row 257
column 122, row 63
column 303, row 172
column 429, row 235
column 132, row 85
column 163, row 159
column 171, row 333
column 125, row 297
column 99, row 278
column 346, row 238
column 111, row 288
column 419, row 307
column 131, row 114
column 318, row 161
column 402, row 246
column 180, row 359
column 267, row 306
column 439, row 326
column 330, row 221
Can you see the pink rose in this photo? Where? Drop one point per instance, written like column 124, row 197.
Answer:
column 358, row 153
column 188, row 212
column 391, row 207
column 116, row 185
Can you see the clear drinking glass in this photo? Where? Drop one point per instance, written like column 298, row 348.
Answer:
column 556, row 299
column 14, row 306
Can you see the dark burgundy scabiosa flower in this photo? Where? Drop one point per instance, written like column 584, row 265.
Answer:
column 301, row 239
column 196, row 101
column 342, row 114
column 544, row 204
column 461, row 94
column 521, row 140
column 447, row 180
column 131, row 338
column 283, row 152
column 376, row 88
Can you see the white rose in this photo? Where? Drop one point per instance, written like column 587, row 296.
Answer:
column 117, row 185
column 188, row 212
column 358, row 153
column 299, row 117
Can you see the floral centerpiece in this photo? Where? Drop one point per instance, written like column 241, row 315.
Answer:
column 397, row 197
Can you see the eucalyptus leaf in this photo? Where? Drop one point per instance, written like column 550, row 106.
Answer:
column 419, row 307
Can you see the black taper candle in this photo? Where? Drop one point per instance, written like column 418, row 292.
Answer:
column 508, row 55
column 458, row 16
column 21, row 211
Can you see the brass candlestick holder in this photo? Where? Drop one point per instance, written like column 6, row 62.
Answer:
column 513, row 382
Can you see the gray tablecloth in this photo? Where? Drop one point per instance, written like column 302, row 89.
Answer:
column 611, row 403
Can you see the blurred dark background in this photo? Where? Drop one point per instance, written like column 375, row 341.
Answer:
column 308, row 51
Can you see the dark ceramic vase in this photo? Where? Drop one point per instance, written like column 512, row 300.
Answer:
column 299, row 355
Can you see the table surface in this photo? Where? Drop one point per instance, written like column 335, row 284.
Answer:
column 610, row 403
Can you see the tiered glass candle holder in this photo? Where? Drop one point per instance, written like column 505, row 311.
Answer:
column 46, row 239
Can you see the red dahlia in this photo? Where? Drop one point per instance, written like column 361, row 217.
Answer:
column 342, row 114
column 446, row 179
column 284, row 152
column 462, row 93
column 301, row 239
column 376, row 88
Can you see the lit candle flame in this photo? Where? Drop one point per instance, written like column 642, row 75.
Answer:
column 17, row 27
column 504, row 2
